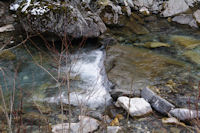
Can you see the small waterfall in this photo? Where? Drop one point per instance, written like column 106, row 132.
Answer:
column 92, row 87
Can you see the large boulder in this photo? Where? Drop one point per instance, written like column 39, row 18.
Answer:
column 74, row 18
column 174, row 7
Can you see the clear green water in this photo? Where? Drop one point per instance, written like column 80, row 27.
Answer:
column 32, row 80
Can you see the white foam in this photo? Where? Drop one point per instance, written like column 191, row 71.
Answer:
column 90, row 68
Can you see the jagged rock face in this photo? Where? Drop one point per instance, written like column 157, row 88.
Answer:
column 87, row 18
column 72, row 18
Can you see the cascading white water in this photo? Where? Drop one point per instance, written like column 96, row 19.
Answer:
column 93, row 86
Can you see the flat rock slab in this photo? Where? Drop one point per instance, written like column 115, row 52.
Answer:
column 159, row 104
column 85, row 125
column 135, row 106
column 184, row 114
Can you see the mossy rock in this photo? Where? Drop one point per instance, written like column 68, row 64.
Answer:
column 8, row 55
column 193, row 56
column 186, row 41
column 156, row 44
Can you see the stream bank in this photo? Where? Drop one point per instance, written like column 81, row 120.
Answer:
column 142, row 51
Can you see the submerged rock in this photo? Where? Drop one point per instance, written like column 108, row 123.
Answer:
column 184, row 114
column 193, row 56
column 130, row 68
column 159, row 104
column 137, row 28
column 186, row 41
column 134, row 106
column 156, row 44
column 85, row 125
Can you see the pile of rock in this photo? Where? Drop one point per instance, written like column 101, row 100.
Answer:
column 142, row 106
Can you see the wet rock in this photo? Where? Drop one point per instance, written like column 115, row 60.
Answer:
column 134, row 106
column 197, row 16
column 185, row 19
column 74, row 18
column 130, row 68
column 8, row 55
column 159, row 104
column 113, row 129
column 185, row 41
column 85, row 125
column 7, row 28
column 193, row 56
column 184, row 114
column 156, row 44
column 174, row 7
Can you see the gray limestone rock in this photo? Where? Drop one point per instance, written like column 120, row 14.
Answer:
column 159, row 104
